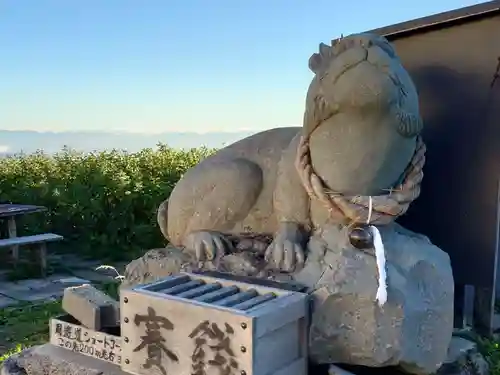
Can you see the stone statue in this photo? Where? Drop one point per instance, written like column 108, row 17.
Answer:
column 360, row 127
column 302, row 204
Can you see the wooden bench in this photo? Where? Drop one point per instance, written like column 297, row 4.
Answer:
column 37, row 239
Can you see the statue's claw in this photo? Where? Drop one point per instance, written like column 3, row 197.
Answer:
column 207, row 246
column 286, row 255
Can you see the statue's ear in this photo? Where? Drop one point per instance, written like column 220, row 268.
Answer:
column 410, row 125
column 318, row 61
column 315, row 63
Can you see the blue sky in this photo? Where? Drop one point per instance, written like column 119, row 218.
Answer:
column 172, row 65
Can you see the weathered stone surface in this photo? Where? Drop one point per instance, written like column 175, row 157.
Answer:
column 160, row 263
column 464, row 359
column 91, row 307
column 51, row 360
column 156, row 264
column 412, row 330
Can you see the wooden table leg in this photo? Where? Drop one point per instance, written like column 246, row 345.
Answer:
column 43, row 259
column 12, row 234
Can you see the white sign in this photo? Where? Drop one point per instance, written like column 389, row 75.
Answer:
column 85, row 341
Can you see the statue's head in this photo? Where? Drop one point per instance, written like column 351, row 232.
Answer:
column 361, row 74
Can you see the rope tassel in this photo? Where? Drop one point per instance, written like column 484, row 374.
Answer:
column 381, row 296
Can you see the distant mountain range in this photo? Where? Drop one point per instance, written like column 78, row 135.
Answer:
column 50, row 142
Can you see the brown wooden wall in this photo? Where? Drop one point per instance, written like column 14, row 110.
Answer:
column 453, row 69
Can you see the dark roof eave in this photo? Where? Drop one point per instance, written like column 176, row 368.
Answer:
column 439, row 20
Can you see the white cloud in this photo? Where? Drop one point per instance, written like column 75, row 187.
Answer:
column 4, row 148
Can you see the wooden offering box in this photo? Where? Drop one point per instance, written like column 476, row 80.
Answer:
column 192, row 324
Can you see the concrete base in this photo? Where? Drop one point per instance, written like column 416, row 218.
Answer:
column 49, row 359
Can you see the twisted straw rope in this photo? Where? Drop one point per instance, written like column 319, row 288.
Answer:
column 385, row 208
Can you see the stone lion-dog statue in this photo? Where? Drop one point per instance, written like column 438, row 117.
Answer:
column 316, row 205
column 360, row 133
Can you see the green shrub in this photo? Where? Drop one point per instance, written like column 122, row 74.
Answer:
column 103, row 203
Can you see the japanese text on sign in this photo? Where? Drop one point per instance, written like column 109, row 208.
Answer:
column 85, row 341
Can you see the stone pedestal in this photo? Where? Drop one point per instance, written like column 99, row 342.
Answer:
column 412, row 330
column 50, row 360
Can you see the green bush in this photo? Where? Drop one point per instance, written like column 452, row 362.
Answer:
column 103, row 203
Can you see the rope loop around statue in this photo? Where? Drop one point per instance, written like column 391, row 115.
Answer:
column 385, row 208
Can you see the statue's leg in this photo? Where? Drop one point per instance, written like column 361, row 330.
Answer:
column 210, row 200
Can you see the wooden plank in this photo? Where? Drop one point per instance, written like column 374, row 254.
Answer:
column 484, row 310
column 279, row 312
column 468, row 306
column 168, row 282
column 243, row 286
column 276, row 350
column 304, row 325
column 285, row 285
column 27, row 240
column 12, row 234
column 43, row 259
column 485, row 297
column 9, row 210
column 299, row 367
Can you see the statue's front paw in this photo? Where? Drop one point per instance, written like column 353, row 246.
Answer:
column 207, row 246
column 285, row 255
